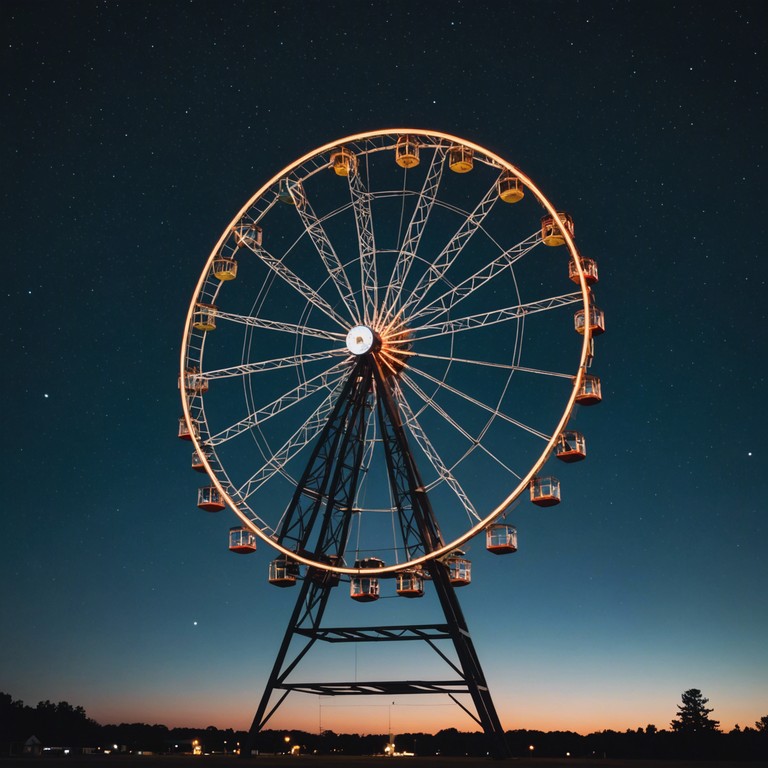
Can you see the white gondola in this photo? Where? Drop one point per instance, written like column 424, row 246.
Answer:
column 588, row 266
column 545, row 491
column 459, row 569
column 197, row 459
column 590, row 392
column 283, row 572
column 242, row 540
column 501, row 539
column 209, row 499
column 571, row 446
column 596, row 321
column 365, row 589
column 410, row 583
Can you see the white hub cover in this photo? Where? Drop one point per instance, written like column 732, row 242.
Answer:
column 360, row 340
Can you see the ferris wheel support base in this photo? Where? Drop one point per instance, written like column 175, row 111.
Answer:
column 305, row 625
column 306, row 631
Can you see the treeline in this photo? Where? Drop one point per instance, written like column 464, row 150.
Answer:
column 650, row 743
column 62, row 725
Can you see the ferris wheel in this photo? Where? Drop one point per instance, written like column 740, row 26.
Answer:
column 382, row 354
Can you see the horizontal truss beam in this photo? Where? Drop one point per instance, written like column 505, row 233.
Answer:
column 378, row 634
column 389, row 687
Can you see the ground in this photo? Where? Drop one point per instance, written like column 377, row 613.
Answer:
column 284, row 761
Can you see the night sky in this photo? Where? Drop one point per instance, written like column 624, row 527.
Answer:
column 132, row 134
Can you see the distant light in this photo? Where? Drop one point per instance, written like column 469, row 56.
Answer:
column 46, row 397
column 531, row 747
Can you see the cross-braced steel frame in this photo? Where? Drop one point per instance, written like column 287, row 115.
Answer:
column 317, row 525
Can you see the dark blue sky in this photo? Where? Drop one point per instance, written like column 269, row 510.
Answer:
column 132, row 134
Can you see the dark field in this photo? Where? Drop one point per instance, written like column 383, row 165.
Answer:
column 281, row 761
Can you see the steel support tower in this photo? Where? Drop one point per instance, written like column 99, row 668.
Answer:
column 317, row 524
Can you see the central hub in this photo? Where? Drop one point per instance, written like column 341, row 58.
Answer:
column 360, row 340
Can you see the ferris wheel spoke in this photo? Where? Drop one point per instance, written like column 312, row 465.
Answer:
column 483, row 406
column 484, row 319
column 467, row 287
column 314, row 228
column 410, row 245
column 292, row 447
column 489, row 364
column 299, row 285
column 444, row 473
column 361, row 204
column 275, row 325
column 292, row 361
column 438, row 268
column 474, row 442
column 325, row 380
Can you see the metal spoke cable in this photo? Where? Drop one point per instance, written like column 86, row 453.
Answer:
column 293, row 446
column 445, row 415
column 488, row 364
column 298, row 284
column 431, row 453
column 483, row 406
column 325, row 380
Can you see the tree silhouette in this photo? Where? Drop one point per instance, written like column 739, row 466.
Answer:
column 693, row 714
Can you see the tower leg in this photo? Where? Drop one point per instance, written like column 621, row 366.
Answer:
column 472, row 672
column 309, row 609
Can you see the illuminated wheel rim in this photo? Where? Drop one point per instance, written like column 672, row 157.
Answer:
column 372, row 244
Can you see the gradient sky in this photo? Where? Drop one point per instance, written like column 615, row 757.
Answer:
column 132, row 133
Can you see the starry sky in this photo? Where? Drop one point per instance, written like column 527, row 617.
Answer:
column 134, row 131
